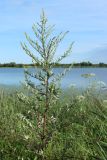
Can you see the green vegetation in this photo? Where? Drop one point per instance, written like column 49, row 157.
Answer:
column 40, row 122
column 78, row 125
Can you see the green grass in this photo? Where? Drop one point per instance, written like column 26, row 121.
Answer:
column 79, row 129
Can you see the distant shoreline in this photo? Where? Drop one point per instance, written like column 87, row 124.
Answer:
column 73, row 65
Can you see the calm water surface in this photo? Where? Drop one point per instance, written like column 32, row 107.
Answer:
column 14, row 76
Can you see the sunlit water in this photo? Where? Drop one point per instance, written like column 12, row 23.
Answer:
column 14, row 76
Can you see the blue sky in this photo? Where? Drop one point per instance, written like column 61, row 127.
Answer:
column 85, row 19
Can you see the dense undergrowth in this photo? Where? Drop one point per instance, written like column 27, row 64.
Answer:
column 78, row 128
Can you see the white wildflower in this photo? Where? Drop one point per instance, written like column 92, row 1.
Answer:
column 101, row 83
column 92, row 74
column 80, row 98
column 26, row 137
column 88, row 75
column 41, row 152
column 53, row 119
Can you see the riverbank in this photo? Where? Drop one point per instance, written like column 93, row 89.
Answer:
column 79, row 127
column 74, row 65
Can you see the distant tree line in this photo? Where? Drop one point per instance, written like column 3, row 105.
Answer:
column 89, row 64
column 15, row 65
column 81, row 64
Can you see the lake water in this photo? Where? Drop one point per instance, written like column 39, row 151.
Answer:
column 14, row 76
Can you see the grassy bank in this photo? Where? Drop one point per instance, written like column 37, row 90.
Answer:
column 79, row 128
